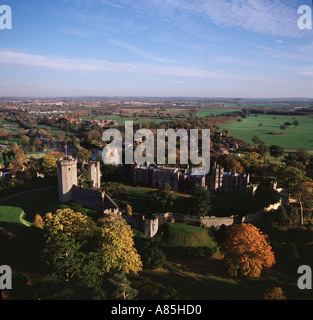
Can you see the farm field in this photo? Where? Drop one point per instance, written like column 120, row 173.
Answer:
column 121, row 120
column 206, row 112
column 292, row 139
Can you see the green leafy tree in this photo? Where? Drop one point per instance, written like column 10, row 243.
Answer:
column 83, row 154
column 161, row 200
column 276, row 151
column 152, row 257
column 293, row 179
column 121, row 288
column 201, row 202
column 66, row 233
column 256, row 140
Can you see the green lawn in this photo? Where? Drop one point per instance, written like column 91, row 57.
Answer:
column 183, row 235
column 292, row 139
column 137, row 197
column 21, row 209
column 10, row 214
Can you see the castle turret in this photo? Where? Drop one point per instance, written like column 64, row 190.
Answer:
column 95, row 174
column 67, row 178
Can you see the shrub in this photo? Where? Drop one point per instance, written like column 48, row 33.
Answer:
column 152, row 257
column 275, row 293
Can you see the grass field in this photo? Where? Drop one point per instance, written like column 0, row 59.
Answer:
column 183, row 235
column 21, row 209
column 138, row 199
column 11, row 214
column 206, row 112
column 292, row 139
column 205, row 279
column 121, row 120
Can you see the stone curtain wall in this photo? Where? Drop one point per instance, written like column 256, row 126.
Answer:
column 216, row 222
column 89, row 198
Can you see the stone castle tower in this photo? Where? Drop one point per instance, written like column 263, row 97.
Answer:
column 95, row 174
column 67, row 178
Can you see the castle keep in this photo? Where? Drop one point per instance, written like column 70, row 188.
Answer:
column 95, row 198
column 68, row 189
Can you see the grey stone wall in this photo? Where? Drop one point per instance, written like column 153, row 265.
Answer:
column 92, row 199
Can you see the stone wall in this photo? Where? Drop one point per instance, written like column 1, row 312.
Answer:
column 204, row 221
column 215, row 222
column 92, row 199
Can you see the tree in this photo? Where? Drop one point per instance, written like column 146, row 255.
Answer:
column 161, row 200
column 262, row 149
column 121, row 288
column 283, row 127
column 49, row 165
column 256, row 140
column 302, row 156
column 66, row 233
column 117, row 246
column 83, row 154
column 302, row 193
column 129, row 210
column 201, row 202
column 293, row 179
column 276, row 151
column 152, row 257
column 15, row 147
column 247, row 252
column 38, row 222
column 275, row 293
column 25, row 141
column 115, row 190
column 37, row 143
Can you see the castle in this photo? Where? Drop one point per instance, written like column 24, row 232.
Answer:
column 182, row 180
column 157, row 176
column 230, row 182
column 68, row 190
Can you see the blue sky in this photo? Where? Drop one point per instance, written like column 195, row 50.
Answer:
column 190, row 48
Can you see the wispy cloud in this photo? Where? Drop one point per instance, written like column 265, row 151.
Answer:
column 112, row 4
column 14, row 58
column 261, row 16
column 138, row 51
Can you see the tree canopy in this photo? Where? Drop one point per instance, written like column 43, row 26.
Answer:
column 247, row 252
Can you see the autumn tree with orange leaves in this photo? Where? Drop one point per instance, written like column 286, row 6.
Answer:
column 247, row 252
